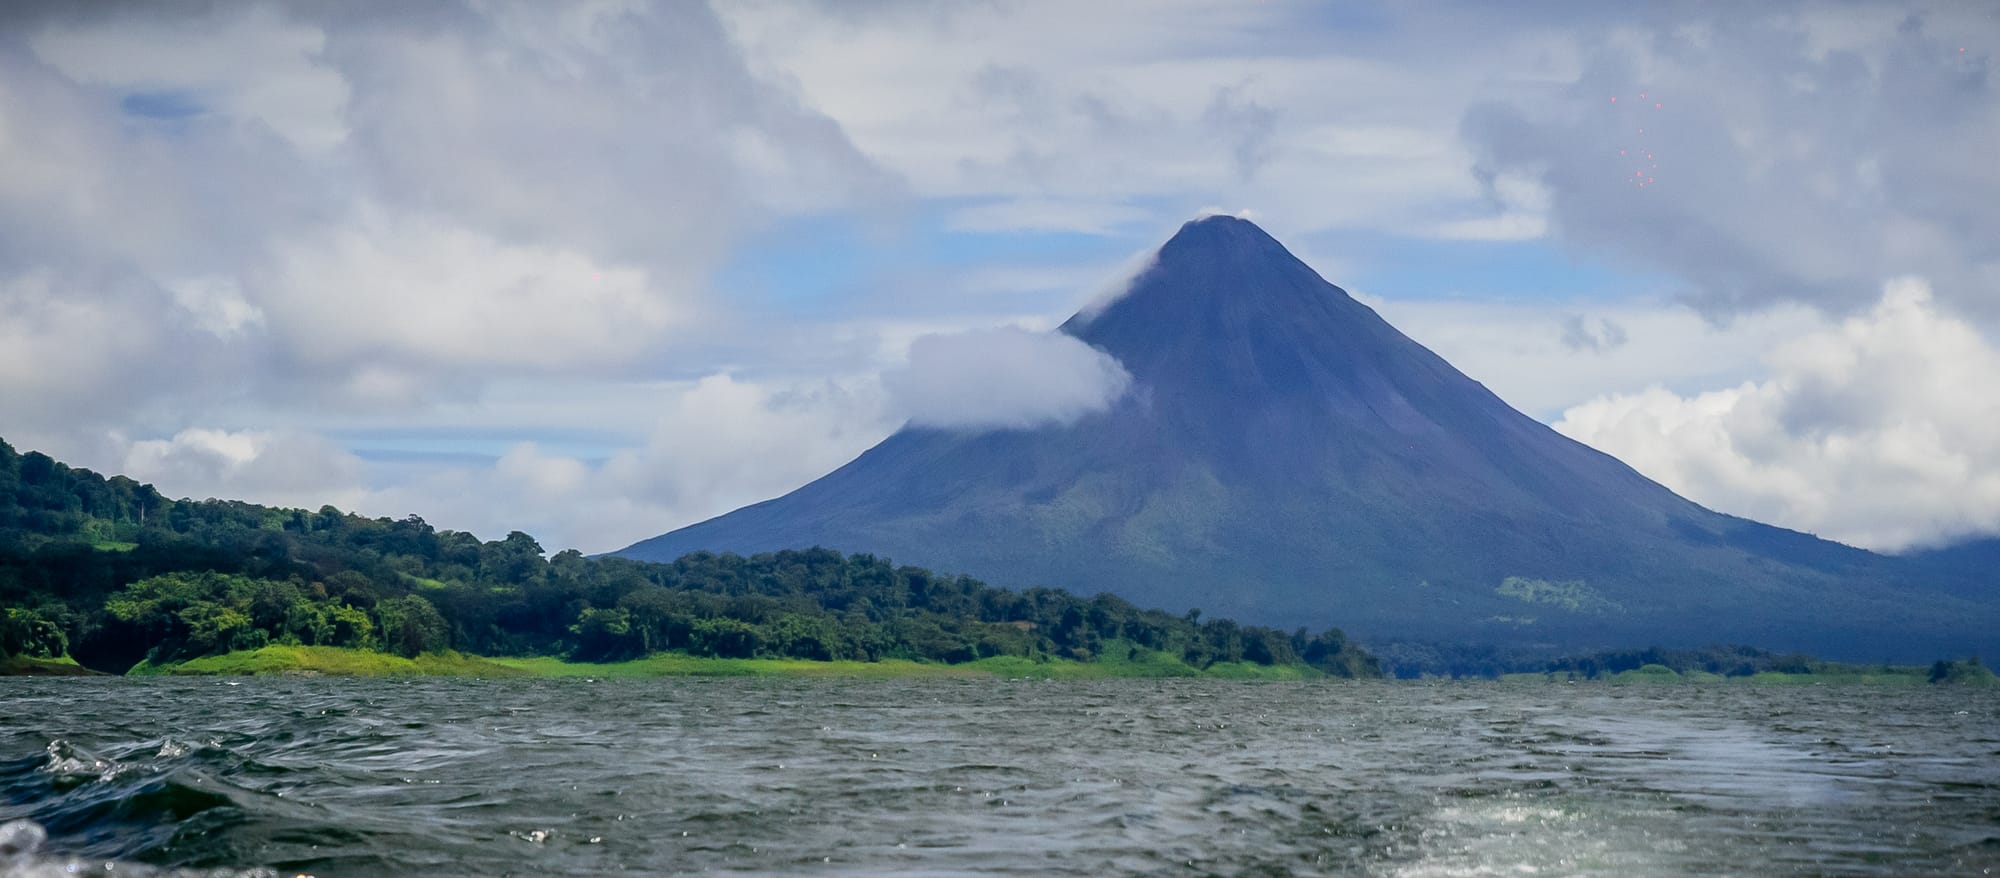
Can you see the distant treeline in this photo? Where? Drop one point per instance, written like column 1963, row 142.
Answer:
column 112, row 573
column 1410, row 660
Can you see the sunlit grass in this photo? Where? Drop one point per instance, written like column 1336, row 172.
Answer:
column 332, row 661
column 673, row 664
column 1118, row 661
column 23, row 666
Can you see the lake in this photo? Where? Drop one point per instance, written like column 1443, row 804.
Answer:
column 337, row 777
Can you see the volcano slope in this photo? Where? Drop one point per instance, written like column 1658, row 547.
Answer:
column 1286, row 457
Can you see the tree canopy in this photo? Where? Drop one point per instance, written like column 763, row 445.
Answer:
column 115, row 573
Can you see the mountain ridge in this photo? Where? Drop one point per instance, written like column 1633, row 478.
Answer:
column 1285, row 454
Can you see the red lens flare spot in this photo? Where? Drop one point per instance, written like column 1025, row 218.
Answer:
column 1614, row 98
column 1656, row 106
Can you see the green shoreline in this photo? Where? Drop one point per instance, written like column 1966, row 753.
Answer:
column 334, row 661
column 1135, row 664
column 24, row 666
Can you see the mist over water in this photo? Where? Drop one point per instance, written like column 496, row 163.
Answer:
column 465, row 777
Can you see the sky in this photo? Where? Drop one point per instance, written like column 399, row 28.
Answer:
column 597, row 270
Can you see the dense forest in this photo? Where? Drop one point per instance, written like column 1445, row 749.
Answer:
column 1405, row 659
column 111, row 572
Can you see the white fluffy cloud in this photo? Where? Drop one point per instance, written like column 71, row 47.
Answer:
column 407, row 291
column 286, row 468
column 1883, row 432
column 1004, row 378
column 1544, row 357
column 376, row 208
column 716, row 443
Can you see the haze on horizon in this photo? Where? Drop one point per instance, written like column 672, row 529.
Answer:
column 597, row 271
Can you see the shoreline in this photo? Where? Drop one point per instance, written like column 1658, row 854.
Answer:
column 282, row 660
column 342, row 662
column 23, row 666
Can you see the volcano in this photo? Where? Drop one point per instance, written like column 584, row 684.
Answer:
column 1285, row 456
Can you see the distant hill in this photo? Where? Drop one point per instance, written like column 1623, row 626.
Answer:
column 1288, row 457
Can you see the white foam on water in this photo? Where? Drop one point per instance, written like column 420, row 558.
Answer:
column 21, row 856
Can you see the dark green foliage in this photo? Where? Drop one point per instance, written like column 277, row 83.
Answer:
column 27, row 633
column 214, row 576
column 1460, row 660
column 1728, row 661
column 1967, row 672
column 411, row 626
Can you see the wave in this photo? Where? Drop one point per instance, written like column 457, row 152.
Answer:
column 22, row 855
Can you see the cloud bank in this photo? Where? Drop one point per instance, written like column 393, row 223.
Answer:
column 1882, row 432
column 1770, row 152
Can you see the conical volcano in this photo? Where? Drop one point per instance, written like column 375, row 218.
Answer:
column 1285, row 456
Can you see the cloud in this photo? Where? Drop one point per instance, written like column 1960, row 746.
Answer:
column 1004, row 378
column 1517, row 348
column 636, row 133
column 714, row 444
column 217, row 305
column 148, row 56
column 276, row 467
column 1502, row 227
column 1883, row 431
column 1320, row 127
column 1047, row 214
column 410, row 291
column 98, row 348
column 1579, row 334
column 1245, row 125
column 1770, row 152
column 378, row 208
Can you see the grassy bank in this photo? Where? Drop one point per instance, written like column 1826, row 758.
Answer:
column 23, row 666
column 1118, row 664
column 331, row 661
column 1123, row 662
column 668, row 664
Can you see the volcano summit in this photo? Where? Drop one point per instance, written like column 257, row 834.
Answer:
column 1284, row 456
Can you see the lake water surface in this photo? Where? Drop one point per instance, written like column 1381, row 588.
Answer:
column 568, row 777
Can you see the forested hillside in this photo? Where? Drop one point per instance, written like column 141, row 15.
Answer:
column 111, row 572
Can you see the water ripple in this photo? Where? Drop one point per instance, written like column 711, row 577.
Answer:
column 465, row 777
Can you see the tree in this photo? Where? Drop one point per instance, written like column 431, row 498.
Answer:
column 724, row 638
column 411, row 626
column 605, row 635
column 516, row 559
column 27, row 633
